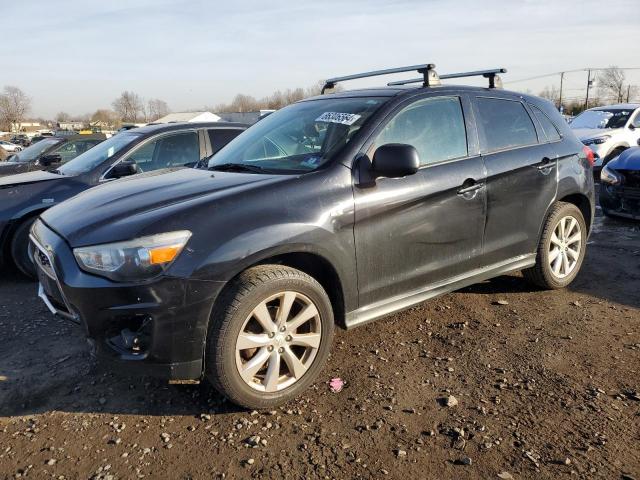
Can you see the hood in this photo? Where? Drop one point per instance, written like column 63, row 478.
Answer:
column 119, row 210
column 628, row 160
column 28, row 177
column 587, row 133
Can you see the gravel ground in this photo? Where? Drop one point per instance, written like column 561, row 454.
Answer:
column 496, row 381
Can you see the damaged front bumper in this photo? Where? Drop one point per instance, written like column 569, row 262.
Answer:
column 619, row 200
column 156, row 328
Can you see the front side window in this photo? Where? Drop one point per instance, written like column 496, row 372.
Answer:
column 550, row 130
column 174, row 150
column 299, row 138
column 434, row 126
column 506, row 124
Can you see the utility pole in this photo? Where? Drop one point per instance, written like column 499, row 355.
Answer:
column 561, row 80
column 586, row 101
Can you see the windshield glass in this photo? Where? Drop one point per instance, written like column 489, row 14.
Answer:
column 31, row 153
column 98, row 154
column 300, row 137
column 613, row 118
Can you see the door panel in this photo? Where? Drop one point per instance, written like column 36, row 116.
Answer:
column 413, row 231
column 521, row 180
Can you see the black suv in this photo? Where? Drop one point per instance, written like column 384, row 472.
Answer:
column 24, row 196
column 49, row 153
column 342, row 208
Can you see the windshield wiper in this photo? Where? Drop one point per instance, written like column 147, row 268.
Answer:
column 56, row 171
column 238, row 167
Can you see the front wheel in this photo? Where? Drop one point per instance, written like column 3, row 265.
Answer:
column 20, row 249
column 561, row 249
column 269, row 336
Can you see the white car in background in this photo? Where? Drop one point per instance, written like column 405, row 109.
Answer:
column 10, row 147
column 608, row 130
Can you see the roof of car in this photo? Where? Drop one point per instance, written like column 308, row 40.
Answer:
column 168, row 127
column 395, row 90
column 621, row 106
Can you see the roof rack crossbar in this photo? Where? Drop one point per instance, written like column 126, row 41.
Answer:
column 491, row 74
column 429, row 76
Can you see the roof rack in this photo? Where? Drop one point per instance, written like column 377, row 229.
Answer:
column 429, row 75
column 492, row 75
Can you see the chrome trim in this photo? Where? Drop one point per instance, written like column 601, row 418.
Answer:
column 380, row 309
column 42, row 294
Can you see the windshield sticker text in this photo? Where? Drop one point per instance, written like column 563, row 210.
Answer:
column 336, row 117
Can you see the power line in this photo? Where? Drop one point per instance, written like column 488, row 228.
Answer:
column 565, row 71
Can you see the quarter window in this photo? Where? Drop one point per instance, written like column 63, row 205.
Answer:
column 434, row 126
column 506, row 124
column 548, row 127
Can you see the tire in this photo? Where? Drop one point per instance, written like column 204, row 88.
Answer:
column 554, row 248
column 20, row 249
column 237, row 312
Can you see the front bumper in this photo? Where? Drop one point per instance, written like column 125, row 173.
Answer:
column 621, row 201
column 154, row 328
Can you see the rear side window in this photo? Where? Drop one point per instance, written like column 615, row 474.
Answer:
column 506, row 124
column 220, row 137
column 434, row 126
column 548, row 127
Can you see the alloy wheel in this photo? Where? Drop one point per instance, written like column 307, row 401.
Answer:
column 278, row 341
column 565, row 246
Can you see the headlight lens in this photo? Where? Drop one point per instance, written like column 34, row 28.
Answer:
column 136, row 259
column 609, row 176
column 597, row 140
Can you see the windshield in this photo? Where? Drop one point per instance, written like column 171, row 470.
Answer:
column 300, row 137
column 98, row 154
column 31, row 153
column 613, row 118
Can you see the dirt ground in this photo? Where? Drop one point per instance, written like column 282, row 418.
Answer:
column 547, row 386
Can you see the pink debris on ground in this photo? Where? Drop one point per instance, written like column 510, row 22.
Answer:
column 336, row 384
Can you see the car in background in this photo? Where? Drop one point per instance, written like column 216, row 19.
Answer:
column 608, row 130
column 49, row 153
column 22, row 140
column 25, row 196
column 10, row 147
column 620, row 185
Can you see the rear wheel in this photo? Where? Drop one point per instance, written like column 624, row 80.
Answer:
column 561, row 249
column 269, row 336
column 20, row 249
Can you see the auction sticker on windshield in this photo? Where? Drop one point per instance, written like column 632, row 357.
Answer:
column 336, row 117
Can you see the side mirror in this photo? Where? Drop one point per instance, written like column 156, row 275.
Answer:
column 395, row 160
column 124, row 169
column 47, row 160
column 632, row 126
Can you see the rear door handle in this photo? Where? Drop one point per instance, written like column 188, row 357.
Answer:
column 545, row 165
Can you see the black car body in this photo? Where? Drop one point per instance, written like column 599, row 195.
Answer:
column 620, row 185
column 49, row 153
column 24, row 196
column 375, row 243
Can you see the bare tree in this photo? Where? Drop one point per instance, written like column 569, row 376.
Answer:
column 106, row 117
column 551, row 93
column 62, row 117
column 14, row 105
column 156, row 109
column 128, row 106
column 611, row 84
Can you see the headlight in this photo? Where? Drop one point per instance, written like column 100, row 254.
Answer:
column 610, row 176
column 136, row 259
column 597, row 141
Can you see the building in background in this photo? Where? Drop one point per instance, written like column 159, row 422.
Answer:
column 189, row 117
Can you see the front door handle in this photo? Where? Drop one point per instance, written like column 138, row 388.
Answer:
column 467, row 188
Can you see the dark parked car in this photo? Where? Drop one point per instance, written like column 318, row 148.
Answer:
column 23, row 197
column 49, row 153
column 341, row 208
column 620, row 185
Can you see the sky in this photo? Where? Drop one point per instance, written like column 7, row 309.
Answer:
column 78, row 56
